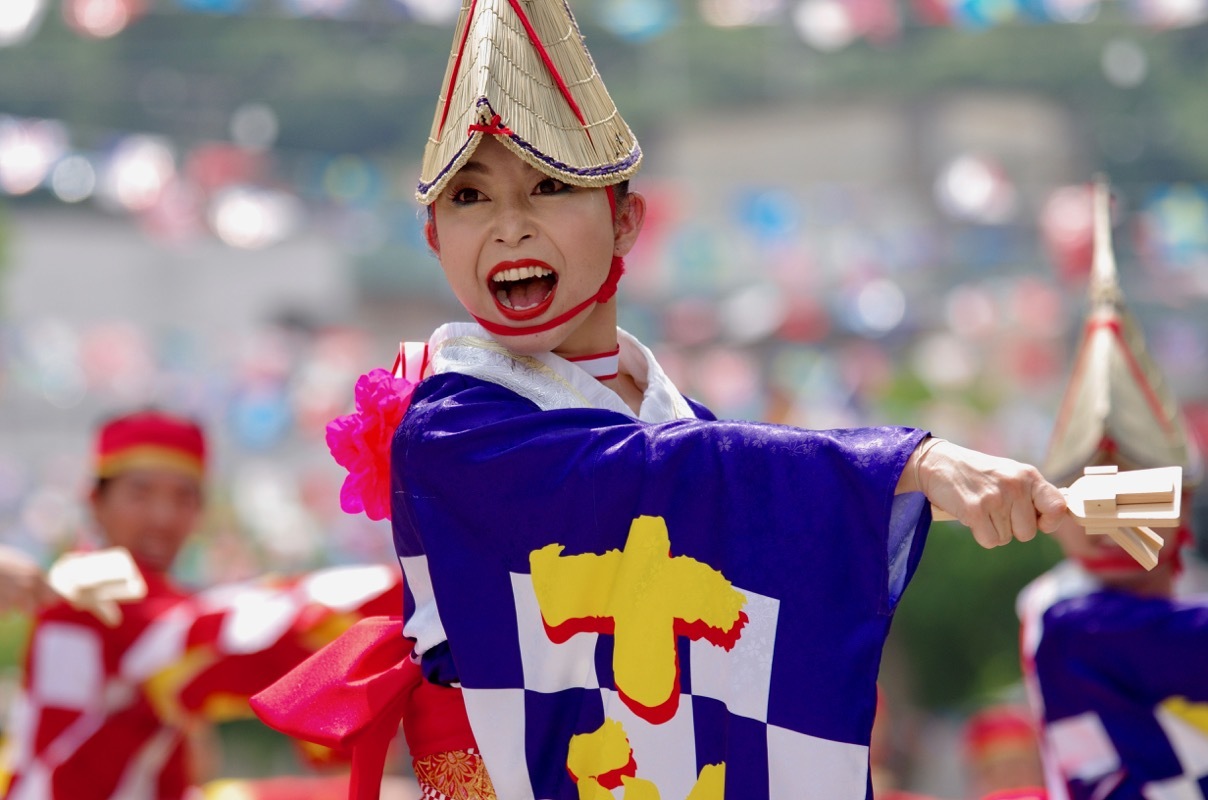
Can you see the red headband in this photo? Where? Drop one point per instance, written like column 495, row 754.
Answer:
column 150, row 440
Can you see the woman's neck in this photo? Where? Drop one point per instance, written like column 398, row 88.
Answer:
column 595, row 337
column 628, row 390
column 605, row 366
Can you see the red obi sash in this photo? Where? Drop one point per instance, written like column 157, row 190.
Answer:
column 351, row 694
column 1023, row 793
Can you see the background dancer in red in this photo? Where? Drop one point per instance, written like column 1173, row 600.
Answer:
column 113, row 709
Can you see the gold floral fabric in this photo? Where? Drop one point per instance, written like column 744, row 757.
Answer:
column 455, row 775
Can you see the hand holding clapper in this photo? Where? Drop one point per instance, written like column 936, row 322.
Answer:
column 1123, row 505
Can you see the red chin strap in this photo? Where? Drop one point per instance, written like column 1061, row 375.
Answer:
column 605, row 293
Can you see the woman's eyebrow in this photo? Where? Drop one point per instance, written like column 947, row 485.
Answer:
column 475, row 166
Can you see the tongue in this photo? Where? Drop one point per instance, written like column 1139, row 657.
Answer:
column 526, row 294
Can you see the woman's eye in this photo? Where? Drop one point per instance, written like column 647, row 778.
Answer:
column 550, row 186
column 464, row 196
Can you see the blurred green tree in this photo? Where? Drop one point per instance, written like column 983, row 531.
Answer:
column 956, row 627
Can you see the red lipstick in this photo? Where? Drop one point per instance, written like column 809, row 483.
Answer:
column 495, row 286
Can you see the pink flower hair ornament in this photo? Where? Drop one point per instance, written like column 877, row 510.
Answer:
column 360, row 442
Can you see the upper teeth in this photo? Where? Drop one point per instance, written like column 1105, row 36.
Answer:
column 521, row 273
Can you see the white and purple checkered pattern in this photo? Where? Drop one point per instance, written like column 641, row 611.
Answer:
column 1084, row 751
column 666, row 754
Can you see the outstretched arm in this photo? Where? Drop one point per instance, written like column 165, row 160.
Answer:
column 999, row 499
column 23, row 585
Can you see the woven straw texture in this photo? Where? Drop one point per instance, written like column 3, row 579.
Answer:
column 561, row 121
column 1117, row 408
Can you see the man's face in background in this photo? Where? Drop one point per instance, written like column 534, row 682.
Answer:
column 150, row 512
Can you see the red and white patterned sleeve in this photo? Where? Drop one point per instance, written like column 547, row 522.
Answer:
column 235, row 640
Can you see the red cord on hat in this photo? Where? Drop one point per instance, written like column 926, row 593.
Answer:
column 495, row 127
column 549, row 64
column 461, row 49
column 541, row 51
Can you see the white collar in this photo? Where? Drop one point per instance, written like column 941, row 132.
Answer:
column 551, row 381
column 602, row 366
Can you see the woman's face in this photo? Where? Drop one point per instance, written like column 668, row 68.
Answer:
column 520, row 248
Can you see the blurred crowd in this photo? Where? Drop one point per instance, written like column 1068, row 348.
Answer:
column 922, row 267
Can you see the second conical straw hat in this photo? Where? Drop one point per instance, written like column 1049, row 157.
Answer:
column 519, row 70
column 1117, row 408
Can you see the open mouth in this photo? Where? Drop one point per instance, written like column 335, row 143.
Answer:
column 522, row 289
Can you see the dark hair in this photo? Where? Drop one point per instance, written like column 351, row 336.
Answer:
column 620, row 191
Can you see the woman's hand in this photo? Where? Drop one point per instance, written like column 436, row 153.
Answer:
column 999, row 499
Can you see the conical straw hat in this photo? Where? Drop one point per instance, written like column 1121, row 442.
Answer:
column 519, row 69
column 1117, row 408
